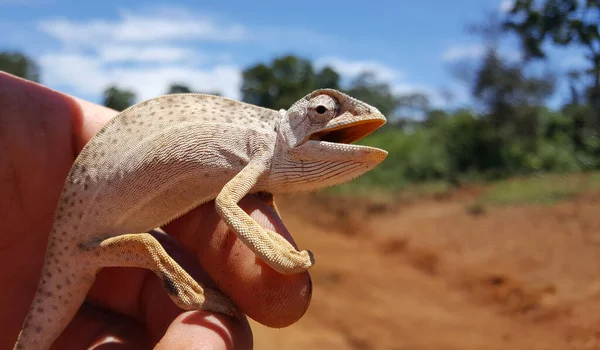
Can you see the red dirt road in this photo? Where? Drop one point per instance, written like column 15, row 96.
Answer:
column 430, row 275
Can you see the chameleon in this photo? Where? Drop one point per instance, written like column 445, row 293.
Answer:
column 159, row 159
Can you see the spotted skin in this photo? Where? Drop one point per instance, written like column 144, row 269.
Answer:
column 163, row 157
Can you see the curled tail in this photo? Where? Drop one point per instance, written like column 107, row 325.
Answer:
column 60, row 292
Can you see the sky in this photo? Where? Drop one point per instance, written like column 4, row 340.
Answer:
column 83, row 47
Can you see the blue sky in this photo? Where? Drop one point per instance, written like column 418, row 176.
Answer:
column 144, row 45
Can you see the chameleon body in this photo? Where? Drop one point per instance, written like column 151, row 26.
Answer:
column 159, row 159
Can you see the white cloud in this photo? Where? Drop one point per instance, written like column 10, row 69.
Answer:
column 88, row 75
column 394, row 77
column 473, row 51
column 404, row 88
column 147, row 50
column 150, row 82
column 130, row 52
column 351, row 69
column 84, row 73
column 150, row 53
column 459, row 52
column 150, row 27
column 178, row 26
column 505, row 5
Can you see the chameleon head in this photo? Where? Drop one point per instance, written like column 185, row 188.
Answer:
column 315, row 139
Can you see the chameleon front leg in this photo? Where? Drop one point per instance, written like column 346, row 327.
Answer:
column 273, row 249
column 144, row 251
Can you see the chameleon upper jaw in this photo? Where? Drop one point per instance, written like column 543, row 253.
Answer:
column 349, row 132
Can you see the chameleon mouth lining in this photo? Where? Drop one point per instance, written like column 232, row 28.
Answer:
column 348, row 133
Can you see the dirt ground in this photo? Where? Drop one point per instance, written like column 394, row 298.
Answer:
column 431, row 274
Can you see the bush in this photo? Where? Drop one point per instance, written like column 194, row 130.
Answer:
column 413, row 157
column 464, row 146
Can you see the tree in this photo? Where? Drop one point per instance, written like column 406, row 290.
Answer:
column 508, row 96
column 413, row 105
column 470, row 145
column 176, row 88
column 328, row 78
column 564, row 22
column 20, row 65
column 367, row 88
column 118, row 99
column 435, row 117
column 284, row 81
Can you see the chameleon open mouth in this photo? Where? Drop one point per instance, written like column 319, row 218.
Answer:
column 348, row 133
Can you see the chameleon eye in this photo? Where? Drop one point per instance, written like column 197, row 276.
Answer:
column 322, row 108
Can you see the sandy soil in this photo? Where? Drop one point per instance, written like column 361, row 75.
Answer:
column 431, row 274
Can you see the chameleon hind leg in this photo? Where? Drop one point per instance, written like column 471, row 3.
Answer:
column 144, row 251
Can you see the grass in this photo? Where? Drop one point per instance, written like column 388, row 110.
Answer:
column 538, row 189
column 541, row 189
column 403, row 191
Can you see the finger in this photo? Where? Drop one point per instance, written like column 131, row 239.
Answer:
column 200, row 330
column 96, row 327
column 69, row 120
column 36, row 153
column 271, row 298
column 92, row 119
column 35, row 143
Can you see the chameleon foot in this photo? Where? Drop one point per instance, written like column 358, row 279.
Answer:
column 144, row 251
column 287, row 259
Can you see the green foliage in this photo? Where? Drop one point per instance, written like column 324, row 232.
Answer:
column 20, row 65
column 543, row 189
column 287, row 79
column 284, row 81
column 515, row 134
column 463, row 146
column 367, row 88
column 176, row 88
column 118, row 99
column 509, row 97
column 327, row 78
column 413, row 157
column 410, row 106
column 470, row 144
column 563, row 23
column 545, row 156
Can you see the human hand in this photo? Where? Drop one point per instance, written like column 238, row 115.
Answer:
column 41, row 132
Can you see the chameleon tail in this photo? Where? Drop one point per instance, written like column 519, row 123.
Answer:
column 60, row 292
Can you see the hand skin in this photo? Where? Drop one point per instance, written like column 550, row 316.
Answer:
column 41, row 132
